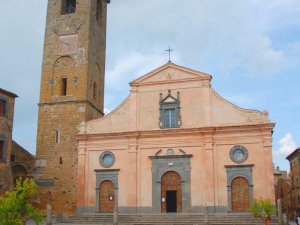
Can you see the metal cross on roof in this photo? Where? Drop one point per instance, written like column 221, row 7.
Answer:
column 169, row 50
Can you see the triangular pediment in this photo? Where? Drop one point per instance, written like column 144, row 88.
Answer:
column 169, row 99
column 170, row 72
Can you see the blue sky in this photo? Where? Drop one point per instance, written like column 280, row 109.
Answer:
column 251, row 48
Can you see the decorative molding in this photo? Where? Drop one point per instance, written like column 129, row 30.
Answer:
column 171, row 156
column 158, row 152
column 179, row 164
column 166, row 132
column 71, row 102
column 234, row 151
column 170, row 152
column 258, row 116
column 234, row 171
column 102, row 175
column 168, row 103
column 183, row 152
column 106, row 154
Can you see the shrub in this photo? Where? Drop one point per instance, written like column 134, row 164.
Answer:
column 263, row 208
column 18, row 205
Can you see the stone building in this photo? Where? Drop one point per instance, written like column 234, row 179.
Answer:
column 294, row 159
column 174, row 145
column 7, row 103
column 15, row 161
column 72, row 90
column 283, row 188
column 22, row 162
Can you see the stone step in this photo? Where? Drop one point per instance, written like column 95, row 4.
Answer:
column 169, row 219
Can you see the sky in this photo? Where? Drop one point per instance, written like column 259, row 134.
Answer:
column 251, row 48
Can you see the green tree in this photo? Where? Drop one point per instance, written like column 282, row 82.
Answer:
column 264, row 209
column 18, row 205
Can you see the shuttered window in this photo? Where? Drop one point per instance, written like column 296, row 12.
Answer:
column 2, row 151
column 3, row 105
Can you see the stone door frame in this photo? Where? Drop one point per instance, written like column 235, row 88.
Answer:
column 178, row 163
column 102, row 175
column 234, row 171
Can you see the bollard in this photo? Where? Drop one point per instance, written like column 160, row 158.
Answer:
column 59, row 217
column 285, row 219
column 206, row 215
column 279, row 209
column 115, row 216
column 49, row 219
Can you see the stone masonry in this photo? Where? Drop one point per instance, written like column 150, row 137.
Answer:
column 283, row 187
column 6, row 127
column 22, row 162
column 60, row 113
column 294, row 159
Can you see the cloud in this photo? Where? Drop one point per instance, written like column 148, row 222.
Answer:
column 133, row 65
column 106, row 111
column 127, row 68
column 287, row 146
column 224, row 36
column 295, row 47
column 259, row 57
column 21, row 42
column 209, row 35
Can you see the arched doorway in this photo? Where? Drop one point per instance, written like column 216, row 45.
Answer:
column 171, row 197
column 18, row 171
column 240, row 195
column 106, row 197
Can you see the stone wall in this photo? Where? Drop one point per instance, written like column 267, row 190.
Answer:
column 22, row 162
column 294, row 159
column 6, row 127
column 59, row 114
column 283, row 191
column 58, row 155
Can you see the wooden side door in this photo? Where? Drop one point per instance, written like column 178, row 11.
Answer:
column 106, row 197
column 240, row 195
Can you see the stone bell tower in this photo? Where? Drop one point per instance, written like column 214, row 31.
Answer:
column 72, row 91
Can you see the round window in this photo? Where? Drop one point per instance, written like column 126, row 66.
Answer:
column 238, row 154
column 107, row 159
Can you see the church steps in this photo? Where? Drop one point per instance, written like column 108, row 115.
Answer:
column 167, row 219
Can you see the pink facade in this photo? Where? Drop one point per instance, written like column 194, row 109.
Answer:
column 207, row 140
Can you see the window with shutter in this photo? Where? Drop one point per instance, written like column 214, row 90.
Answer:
column 3, row 105
column 2, row 150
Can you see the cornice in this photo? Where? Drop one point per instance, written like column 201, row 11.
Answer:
column 177, row 131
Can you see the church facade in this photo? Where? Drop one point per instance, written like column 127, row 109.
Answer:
column 174, row 145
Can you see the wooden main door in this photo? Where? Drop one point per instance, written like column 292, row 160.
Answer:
column 106, row 197
column 171, row 197
column 240, row 195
